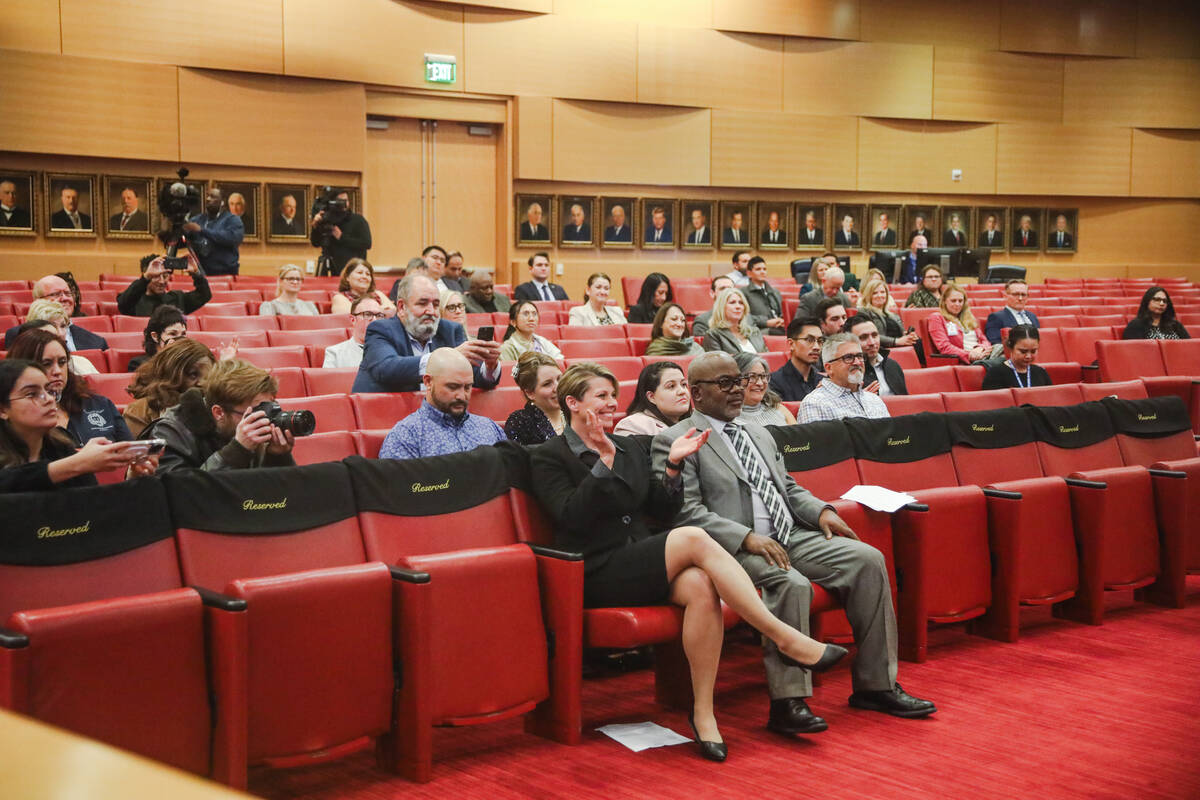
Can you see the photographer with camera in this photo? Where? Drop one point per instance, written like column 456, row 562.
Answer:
column 214, row 235
column 339, row 232
column 153, row 289
column 230, row 421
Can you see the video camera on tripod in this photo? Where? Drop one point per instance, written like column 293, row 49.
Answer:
column 334, row 210
column 177, row 201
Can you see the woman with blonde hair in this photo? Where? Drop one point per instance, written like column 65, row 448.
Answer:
column 158, row 383
column 731, row 330
column 877, row 304
column 358, row 279
column 955, row 330
column 52, row 315
column 287, row 295
column 454, row 307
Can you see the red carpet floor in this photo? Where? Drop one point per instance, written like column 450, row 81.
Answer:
column 1070, row 711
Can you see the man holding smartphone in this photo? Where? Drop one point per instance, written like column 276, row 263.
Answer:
column 153, row 289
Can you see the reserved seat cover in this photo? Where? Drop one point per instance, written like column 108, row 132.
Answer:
column 822, row 451
column 881, row 445
column 976, row 435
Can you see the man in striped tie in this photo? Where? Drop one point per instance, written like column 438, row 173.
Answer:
column 736, row 488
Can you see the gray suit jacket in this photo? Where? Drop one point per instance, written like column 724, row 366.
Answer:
column 716, row 497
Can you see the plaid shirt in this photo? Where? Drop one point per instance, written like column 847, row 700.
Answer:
column 830, row 401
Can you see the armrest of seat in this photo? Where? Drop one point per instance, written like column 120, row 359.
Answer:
column 1172, row 490
column 950, row 357
column 14, row 670
column 560, row 579
column 227, row 635
column 1091, row 373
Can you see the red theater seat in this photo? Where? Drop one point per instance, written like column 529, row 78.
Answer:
column 332, row 411
column 275, row 357
column 316, row 340
column 303, row 323
column 384, row 409
column 625, row 368
column 1124, row 360
column 223, row 310
column 1181, row 356
column 898, row 404
column 118, row 359
column 932, row 380
column 217, row 339
column 1080, row 343
column 1128, row 390
column 1048, row 395
column 969, row 378
column 978, row 401
column 594, row 349
column 332, row 446
column 335, row 380
column 498, row 403
column 369, row 443
column 99, row 325
column 112, row 386
column 214, row 322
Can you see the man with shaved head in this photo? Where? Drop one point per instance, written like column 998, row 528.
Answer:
column 397, row 350
column 52, row 287
column 442, row 424
column 735, row 487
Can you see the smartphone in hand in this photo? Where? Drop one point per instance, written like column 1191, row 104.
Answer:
column 486, row 333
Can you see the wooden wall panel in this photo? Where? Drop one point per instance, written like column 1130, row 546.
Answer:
column 540, row 6
column 552, row 55
column 878, row 79
column 837, row 19
column 31, row 27
column 759, row 149
column 1166, row 163
column 1124, row 228
column 1063, row 160
column 362, row 42
column 1146, row 92
column 915, row 156
column 84, row 106
column 1168, row 29
column 996, row 87
column 683, row 66
column 535, row 136
column 976, row 25
column 270, row 121
column 222, row 34
column 680, row 13
column 1073, row 27
column 634, row 143
column 436, row 106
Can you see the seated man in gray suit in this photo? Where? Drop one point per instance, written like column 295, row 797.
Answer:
column 736, row 489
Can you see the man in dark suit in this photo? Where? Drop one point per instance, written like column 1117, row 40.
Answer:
column 130, row 217
column 1025, row 235
column 1059, row 238
column 396, row 350
column 285, row 223
column 885, row 236
column 811, row 234
column 735, row 233
column 532, row 230
column 69, row 217
column 881, row 375
column 1016, row 297
column 55, row 288
column 954, row 235
column 990, row 236
column 540, row 288
column 773, row 234
column 846, row 235
column 619, row 231
column 700, row 234
column 578, row 229
column 11, row 214
column 659, row 232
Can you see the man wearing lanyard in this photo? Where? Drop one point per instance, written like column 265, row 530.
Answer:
column 841, row 394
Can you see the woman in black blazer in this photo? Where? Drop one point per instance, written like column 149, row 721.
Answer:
column 598, row 489
column 1018, row 371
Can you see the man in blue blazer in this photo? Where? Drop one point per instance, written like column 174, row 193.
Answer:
column 396, row 350
column 1016, row 296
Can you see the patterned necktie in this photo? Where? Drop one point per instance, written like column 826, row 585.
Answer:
column 780, row 517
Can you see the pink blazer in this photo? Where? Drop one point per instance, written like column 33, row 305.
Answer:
column 944, row 341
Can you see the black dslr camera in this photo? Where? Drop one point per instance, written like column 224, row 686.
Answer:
column 299, row 423
column 177, row 201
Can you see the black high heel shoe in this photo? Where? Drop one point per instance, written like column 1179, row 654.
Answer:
column 832, row 655
column 713, row 751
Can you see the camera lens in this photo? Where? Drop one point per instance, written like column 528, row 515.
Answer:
column 300, row 423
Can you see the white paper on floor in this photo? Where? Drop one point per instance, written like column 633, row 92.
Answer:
column 878, row 498
column 639, row 736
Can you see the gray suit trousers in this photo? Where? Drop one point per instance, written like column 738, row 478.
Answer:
column 853, row 572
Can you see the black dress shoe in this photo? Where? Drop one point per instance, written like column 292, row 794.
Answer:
column 896, row 702
column 792, row 715
column 832, row 655
column 713, row 751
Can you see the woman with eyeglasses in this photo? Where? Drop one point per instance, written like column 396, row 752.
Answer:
column 1155, row 318
column 521, row 336
column 287, row 296
column 86, row 416
column 730, row 329
column 358, row 280
column 454, row 307
column 159, row 382
column 660, row 399
column 759, row 403
column 35, row 453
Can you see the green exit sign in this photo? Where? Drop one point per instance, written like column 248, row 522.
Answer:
column 440, row 69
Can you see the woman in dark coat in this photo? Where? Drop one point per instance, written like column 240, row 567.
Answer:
column 1155, row 318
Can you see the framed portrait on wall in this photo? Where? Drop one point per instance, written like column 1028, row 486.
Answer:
column 70, row 204
column 697, row 224
column 885, row 235
column 244, row 201
column 848, row 220
column 737, row 224
column 287, row 207
column 617, row 214
column 658, row 223
column 993, row 225
column 18, row 202
column 773, row 224
column 920, row 221
column 575, row 215
column 128, row 206
column 1062, row 234
column 956, row 226
column 200, row 186
column 535, row 219
column 1026, row 228
column 812, row 220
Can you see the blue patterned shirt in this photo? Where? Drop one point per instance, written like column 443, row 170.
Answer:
column 830, row 401
column 429, row 432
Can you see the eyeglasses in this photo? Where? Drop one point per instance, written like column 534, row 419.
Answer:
column 59, row 293
column 726, row 382
column 850, row 358
column 810, row 340
column 295, row 279
column 755, row 377
column 455, row 307
column 1158, row 299
column 34, row 395
column 370, row 315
